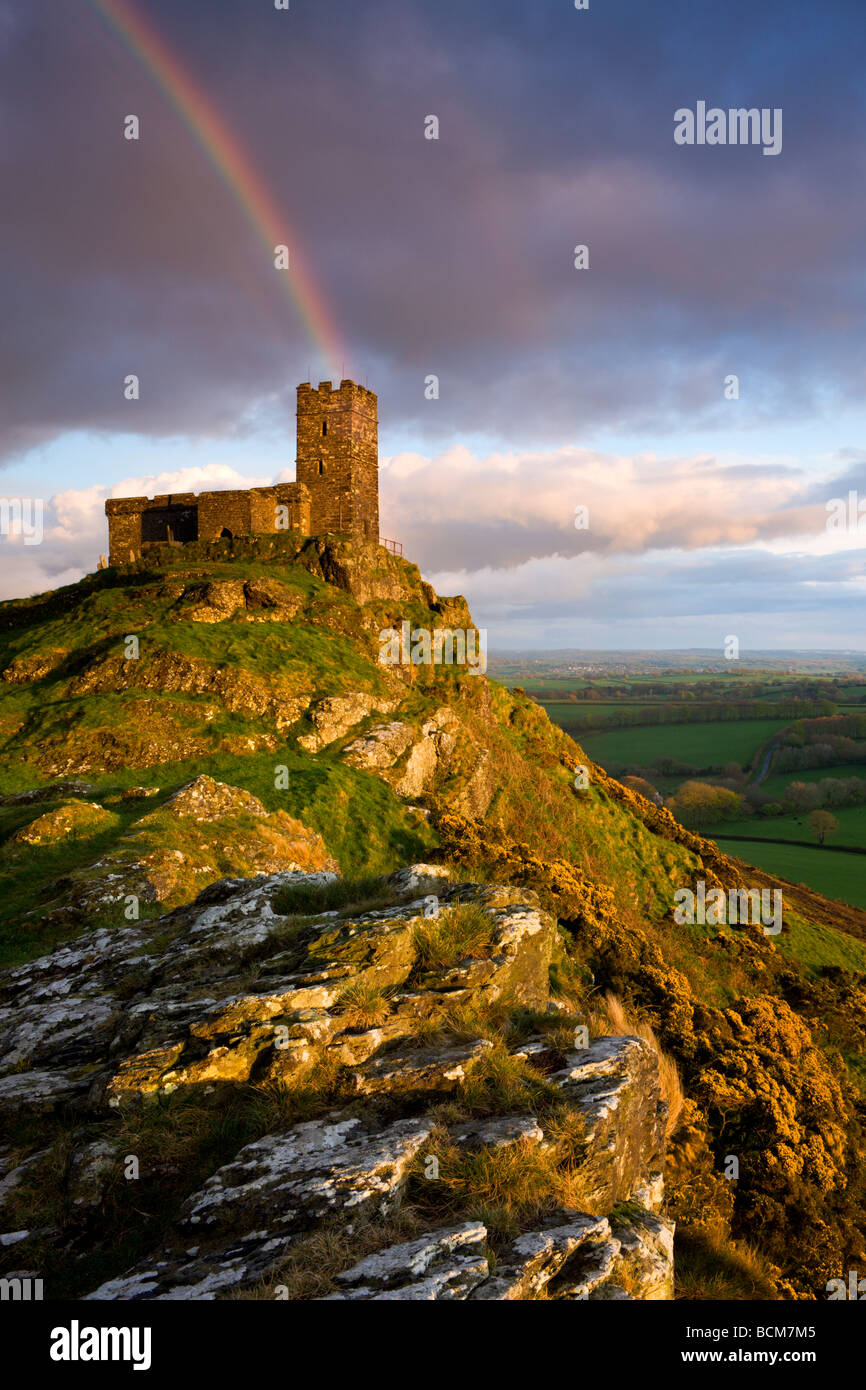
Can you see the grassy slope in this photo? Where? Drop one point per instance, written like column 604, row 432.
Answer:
column 329, row 648
column 618, row 844
column 365, row 827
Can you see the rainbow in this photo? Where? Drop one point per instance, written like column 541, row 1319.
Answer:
column 234, row 167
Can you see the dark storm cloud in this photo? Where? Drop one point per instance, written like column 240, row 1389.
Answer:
column 451, row 257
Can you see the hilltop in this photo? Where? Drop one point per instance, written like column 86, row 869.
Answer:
column 181, row 812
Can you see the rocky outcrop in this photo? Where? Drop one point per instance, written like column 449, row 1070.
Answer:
column 75, row 819
column 415, row 761
column 270, row 646
column 334, row 717
column 223, row 830
column 381, row 747
column 614, row 1084
column 446, row 1264
column 34, row 667
column 369, row 573
column 254, row 600
column 54, row 791
column 474, row 797
column 430, row 756
column 280, row 701
column 240, row 989
column 205, row 800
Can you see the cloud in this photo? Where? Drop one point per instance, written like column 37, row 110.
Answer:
column 453, row 257
column 460, row 510
column 682, row 544
column 668, row 601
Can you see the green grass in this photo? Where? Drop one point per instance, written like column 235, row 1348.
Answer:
column 839, row 876
column 703, row 745
column 454, row 934
column 345, row 895
column 567, row 711
column 269, row 649
column 852, row 828
column 777, row 783
column 815, row 946
column 361, row 822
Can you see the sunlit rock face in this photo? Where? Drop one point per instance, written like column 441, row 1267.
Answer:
column 369, row 1015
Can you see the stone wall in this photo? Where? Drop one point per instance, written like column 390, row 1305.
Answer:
column 134, row 523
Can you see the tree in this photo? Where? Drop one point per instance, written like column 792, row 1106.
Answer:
column 640, row 784
column 732, row 772
column 803, row 796
column 700, row 803
column 823, row 824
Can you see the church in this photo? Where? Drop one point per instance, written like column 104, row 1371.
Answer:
column 336, row 487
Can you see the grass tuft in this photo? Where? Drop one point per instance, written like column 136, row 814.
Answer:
column 615, row 1021
column 457, row 932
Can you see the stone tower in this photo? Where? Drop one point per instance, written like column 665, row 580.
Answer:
column 338, row 457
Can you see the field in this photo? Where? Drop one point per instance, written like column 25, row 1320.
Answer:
column 706, row 721
column 840, row 876
column 852, row 828
column 704, row 745
column 777, row 782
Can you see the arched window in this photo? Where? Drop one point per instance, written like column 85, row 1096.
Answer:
column 225, row 534
column 321, row 468
column 324, row 427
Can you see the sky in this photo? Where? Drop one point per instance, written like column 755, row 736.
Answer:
column 587, row 476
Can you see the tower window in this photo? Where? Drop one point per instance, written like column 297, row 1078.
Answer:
column 321, row 467
column 324, row 427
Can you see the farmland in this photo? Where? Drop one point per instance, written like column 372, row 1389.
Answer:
column 707, row 746
column 836, row 875
column 751, row 749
